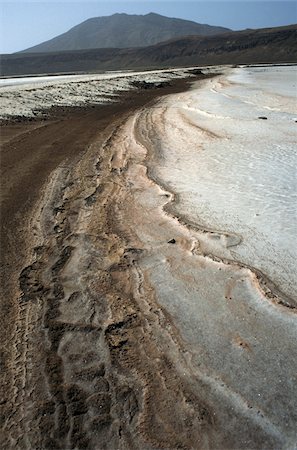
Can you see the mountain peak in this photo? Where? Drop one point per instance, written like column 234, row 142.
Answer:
column 124, row 30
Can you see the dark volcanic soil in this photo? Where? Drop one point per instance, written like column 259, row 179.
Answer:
column 41, row 408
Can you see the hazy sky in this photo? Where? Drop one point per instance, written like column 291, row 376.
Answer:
column 26, row 23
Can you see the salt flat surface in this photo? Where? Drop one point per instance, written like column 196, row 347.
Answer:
column 218, row 206
column 58, row 79
column 233, row 172
column 4, row 82
column 233, row 177
column 33, row 96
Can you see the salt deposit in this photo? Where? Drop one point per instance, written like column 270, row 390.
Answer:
column 226, row 182
column 33, row 96
column 170, row 240
column 229, row 152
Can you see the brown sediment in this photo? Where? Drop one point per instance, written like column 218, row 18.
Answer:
column 82, row 362
column 92, row 360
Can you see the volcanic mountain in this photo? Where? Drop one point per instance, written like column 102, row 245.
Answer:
column 124, row 31
column 270, row 45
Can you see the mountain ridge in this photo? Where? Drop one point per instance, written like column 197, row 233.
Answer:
column 268, row 45
column 122, row 30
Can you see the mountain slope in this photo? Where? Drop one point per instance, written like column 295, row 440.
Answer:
column 272, row 45
column 123, row 31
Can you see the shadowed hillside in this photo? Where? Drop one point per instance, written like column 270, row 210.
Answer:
column 271, row 45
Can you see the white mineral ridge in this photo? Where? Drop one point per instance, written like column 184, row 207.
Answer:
column 32, row 96
column 234, row 172
column 234, row 180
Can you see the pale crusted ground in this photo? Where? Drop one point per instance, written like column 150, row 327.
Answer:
column 34, row 97
column 131, row 332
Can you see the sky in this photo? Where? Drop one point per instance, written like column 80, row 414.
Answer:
column 25, row 23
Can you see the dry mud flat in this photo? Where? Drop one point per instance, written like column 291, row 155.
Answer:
column 115, row 314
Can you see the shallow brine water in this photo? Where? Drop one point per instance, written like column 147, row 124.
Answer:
column 230, row 153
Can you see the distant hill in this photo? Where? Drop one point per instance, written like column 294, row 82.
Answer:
column 271, row 45
column 124, row 31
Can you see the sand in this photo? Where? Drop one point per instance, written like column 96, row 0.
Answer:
column 120, row 330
